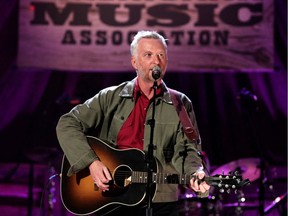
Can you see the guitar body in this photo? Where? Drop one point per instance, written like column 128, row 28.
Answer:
column 79, row 194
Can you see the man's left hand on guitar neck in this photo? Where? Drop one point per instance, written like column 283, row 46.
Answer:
column 199, row 186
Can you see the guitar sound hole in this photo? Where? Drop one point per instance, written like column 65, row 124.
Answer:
column 123, row 176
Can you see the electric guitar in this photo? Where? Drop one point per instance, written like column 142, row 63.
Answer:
column 81, row 196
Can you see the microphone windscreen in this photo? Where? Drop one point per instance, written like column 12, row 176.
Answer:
column 156, row 72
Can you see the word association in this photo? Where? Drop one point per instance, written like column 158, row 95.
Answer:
column 176, row 38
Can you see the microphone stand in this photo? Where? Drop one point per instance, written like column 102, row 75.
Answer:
column 251, row 102
column 150, row 157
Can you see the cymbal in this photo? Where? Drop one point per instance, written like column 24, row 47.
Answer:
column 247, row 167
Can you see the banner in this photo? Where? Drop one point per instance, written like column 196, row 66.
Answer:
column 95, row 35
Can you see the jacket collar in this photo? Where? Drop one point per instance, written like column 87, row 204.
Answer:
column 127, row 91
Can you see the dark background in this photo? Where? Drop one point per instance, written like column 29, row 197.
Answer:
column 232, row 124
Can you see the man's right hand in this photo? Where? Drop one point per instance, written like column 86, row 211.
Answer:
column 100, row 175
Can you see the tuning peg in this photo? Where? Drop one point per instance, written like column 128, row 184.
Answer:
column 222, row 190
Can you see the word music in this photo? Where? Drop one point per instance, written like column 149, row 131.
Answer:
column 208, row 25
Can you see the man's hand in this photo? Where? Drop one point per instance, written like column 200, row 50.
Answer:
column 194, row 183
column 100, row 175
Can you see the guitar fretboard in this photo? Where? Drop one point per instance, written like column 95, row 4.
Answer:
column 160, row 178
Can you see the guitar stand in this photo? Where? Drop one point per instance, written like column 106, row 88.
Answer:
column 149, row 156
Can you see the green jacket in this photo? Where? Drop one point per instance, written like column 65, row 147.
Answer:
column 107, row 111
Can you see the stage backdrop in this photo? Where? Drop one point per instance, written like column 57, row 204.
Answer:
column 94, row 35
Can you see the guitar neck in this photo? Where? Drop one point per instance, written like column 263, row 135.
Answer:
column 164, row 178
column 220, row 181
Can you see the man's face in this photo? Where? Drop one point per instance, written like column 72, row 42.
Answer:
column 150, row 52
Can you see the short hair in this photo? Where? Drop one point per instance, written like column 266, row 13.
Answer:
column 145, row 34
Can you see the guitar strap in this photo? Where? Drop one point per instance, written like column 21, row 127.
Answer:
column 188, row 127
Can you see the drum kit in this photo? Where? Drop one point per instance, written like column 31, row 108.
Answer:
column 215, row 203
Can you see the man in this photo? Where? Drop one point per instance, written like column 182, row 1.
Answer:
column 120, row 114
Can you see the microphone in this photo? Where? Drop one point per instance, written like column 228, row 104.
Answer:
column 156, row 72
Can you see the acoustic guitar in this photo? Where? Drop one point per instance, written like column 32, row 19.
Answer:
column 81, row 196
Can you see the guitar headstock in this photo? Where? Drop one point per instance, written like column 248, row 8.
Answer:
column 233, row 181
